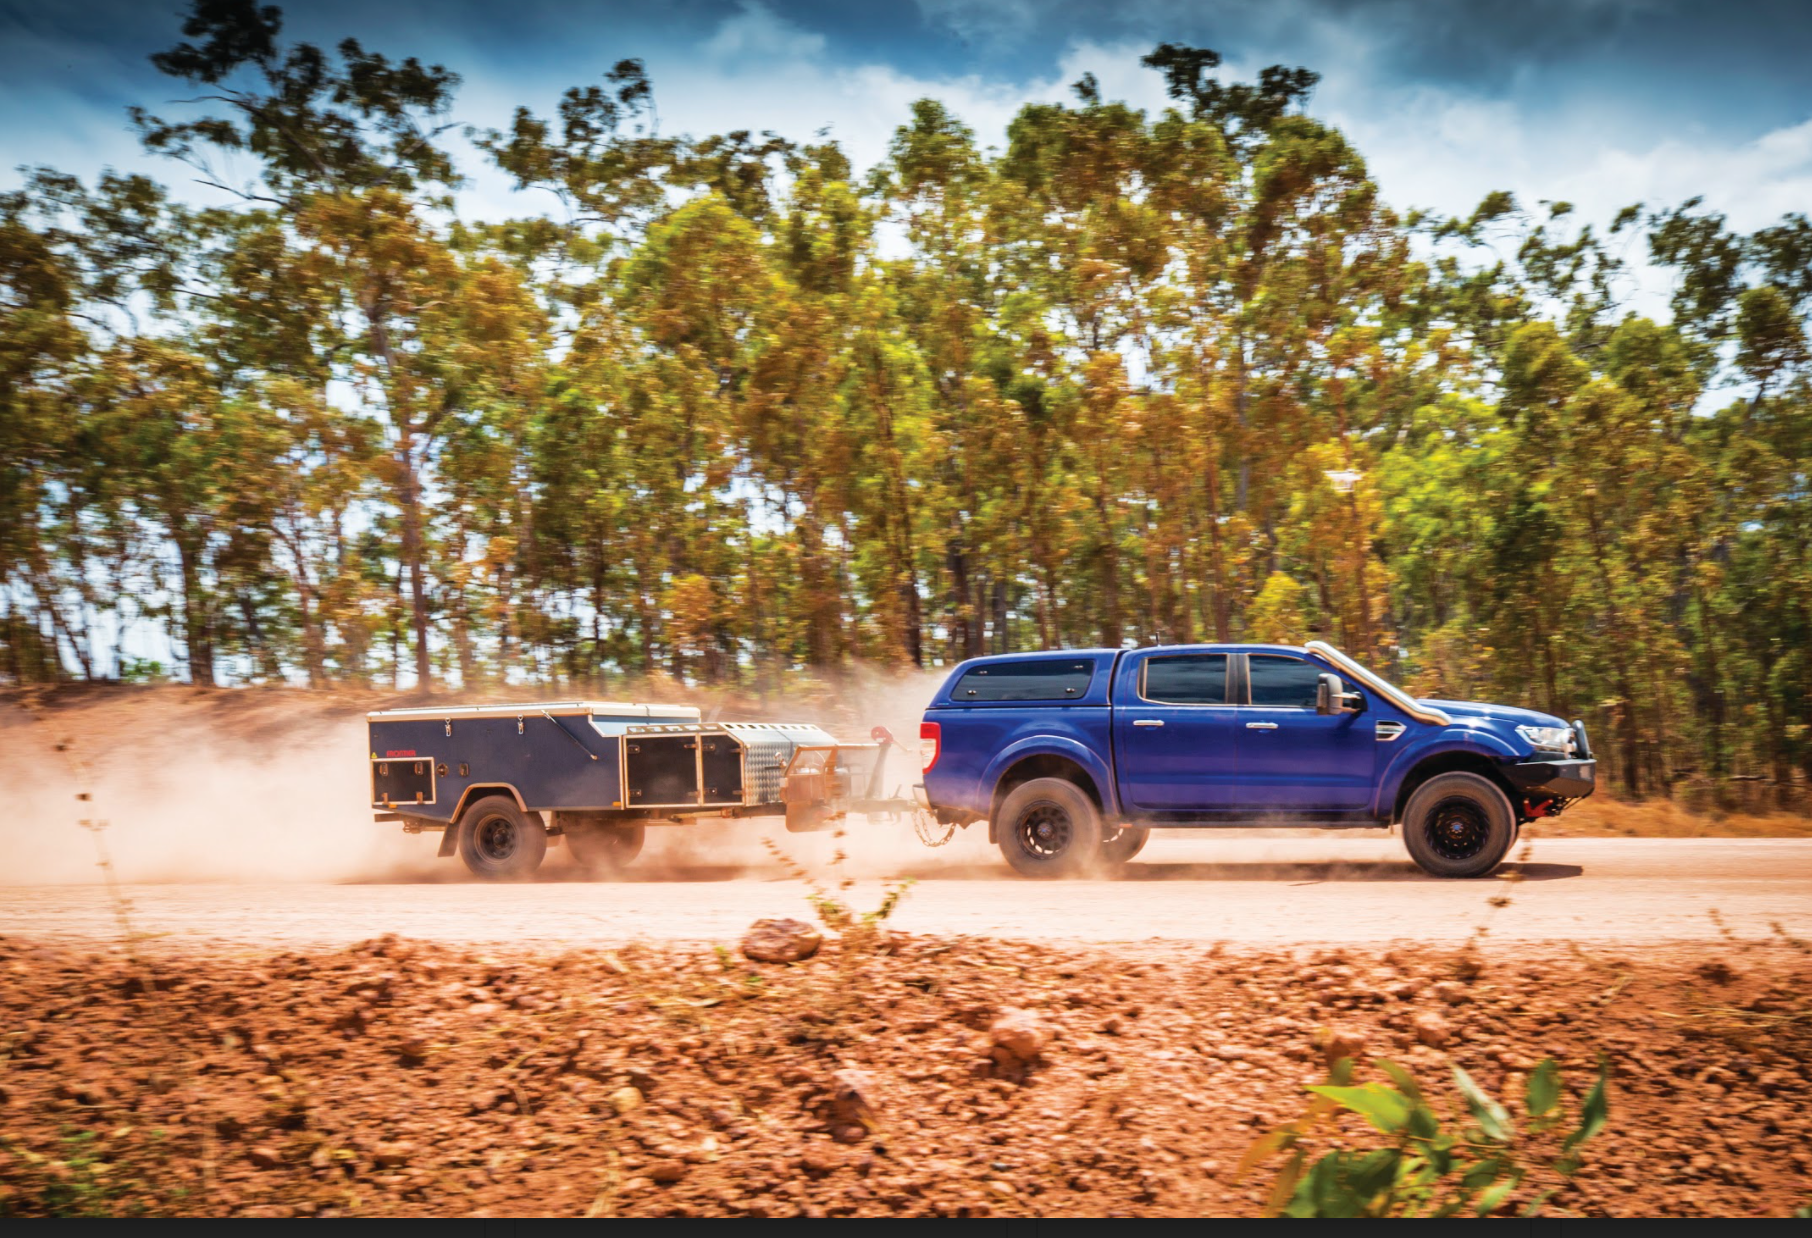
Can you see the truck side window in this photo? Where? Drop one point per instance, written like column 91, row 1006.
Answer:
column 1052, row 679
column 1282, row 683
column 1193, row 679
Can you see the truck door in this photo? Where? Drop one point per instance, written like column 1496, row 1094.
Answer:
column 1292, row 759
column 1173, row 733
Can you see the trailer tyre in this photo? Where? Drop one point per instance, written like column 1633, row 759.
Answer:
column 1120, row 846
column 1049, row 827
column 500, row 842
column 605, row 849
column 1458, row 825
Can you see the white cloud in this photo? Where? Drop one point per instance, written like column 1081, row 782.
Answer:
column 989, row 22
column 758, row 35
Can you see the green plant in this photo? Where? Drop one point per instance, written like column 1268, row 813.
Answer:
column 1429, row 1167
column 142, row 670
column 77, row 1183
column 834, row 910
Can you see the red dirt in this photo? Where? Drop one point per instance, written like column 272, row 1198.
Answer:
column 403, row 1078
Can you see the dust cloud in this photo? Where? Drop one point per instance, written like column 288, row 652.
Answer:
column 262, row 786
column 185, row 802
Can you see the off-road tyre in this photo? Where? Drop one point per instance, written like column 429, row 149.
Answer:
column 1458, row 825
column 1049, row 827
column 1121, row 845
column 604, row 850
column 500, row 842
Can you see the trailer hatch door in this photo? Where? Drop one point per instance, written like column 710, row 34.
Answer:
column 396, row 781
column 661, row 770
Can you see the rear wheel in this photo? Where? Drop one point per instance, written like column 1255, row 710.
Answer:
column 500, row 842
column 1458, row 825
column 605, row 850
column 1049, row 827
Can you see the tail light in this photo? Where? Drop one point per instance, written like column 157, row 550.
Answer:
column 930, row 743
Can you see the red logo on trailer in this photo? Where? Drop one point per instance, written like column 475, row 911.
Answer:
column 400, row 752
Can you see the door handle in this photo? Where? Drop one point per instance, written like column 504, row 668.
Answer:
column 1261, row 726
column 1147, row 722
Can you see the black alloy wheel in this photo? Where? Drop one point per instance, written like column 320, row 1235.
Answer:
column 1457, row 828
column 1458, row 824
column 500, row 842
column 1048, row 827
column 1045, row 829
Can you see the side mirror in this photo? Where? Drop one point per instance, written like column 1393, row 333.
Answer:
column 1331, row 697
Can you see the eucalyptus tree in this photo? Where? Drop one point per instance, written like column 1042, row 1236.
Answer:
column 43, row 351
column 350, row 157
column 985, row 501
column 1082, row 239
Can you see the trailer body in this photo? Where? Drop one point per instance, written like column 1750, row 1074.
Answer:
column 594, row 757
column 601, row 770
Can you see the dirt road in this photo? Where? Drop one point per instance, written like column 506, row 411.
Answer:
column 1257, row 892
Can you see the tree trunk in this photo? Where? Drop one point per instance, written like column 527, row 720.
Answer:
column 1109, row 558
column 1002, row 636
column 969, row 615
column 1244, row 484
column 898, row 522
column 412, row 551
column 198, row 637
column 821, row 599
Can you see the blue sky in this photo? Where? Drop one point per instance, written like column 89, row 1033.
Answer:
column 1599, row 102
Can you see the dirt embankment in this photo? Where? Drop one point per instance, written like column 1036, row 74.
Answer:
column 403, row 1078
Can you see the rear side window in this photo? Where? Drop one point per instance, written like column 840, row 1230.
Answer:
column 1192, row 679
column 1282, row 683
column 1063, row 679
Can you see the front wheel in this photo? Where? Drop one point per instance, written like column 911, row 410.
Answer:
column 1458, row 825
column 500, row 842
column 1049, row 828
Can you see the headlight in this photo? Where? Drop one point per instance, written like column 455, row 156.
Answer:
column 1548, row 738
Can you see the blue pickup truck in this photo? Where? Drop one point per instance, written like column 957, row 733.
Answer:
column 1073, row 757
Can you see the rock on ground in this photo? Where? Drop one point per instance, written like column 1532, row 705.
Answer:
column 781, row 941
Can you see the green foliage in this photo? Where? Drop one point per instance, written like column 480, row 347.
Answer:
column 74, row 1182
column 1430, row 1165
column 142, row 670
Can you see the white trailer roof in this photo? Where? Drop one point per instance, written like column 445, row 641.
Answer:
column 558, row 709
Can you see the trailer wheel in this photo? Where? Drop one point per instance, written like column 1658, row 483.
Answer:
column 605, row 849
column 1049, row 827
column 1121, row 845
column 500, row 842
column 1458, row 825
